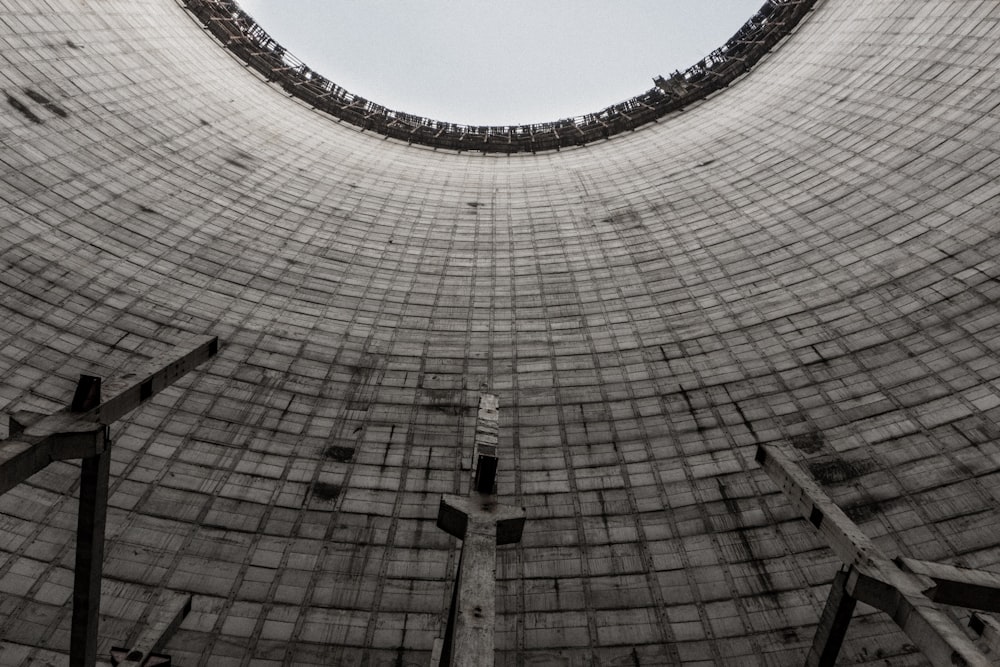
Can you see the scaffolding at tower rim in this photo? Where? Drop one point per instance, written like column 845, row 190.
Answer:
column 240, row 34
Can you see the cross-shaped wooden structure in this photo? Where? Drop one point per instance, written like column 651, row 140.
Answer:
column 905, row 588
column 82, row 431
column 481, row 523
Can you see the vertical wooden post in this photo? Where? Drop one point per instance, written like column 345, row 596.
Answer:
column 832, row 624
column 94, row 473
column 481, row 523
column 81, row 431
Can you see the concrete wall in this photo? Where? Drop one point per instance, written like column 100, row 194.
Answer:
column 808, row 258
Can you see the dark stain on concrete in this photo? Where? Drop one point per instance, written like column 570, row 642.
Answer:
column 240, row 160
column 837, row 471
column 448, row 401
column 810, row 442
column 342, row 454
column 23, row 109
column 326, row 492
column 624, row 220
column 701, row 428
column 763, row 576
column 865, row 511
column 49, row 105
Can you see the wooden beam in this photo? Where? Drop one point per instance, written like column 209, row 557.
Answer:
column 94, row 473
column 168, row 616
column 833, row 624
column 124, row 394
column 484, row 452
column 900, row 594
column 71, row 435
column 481, row 524
column 23, row 456
column 809, row 500
column 872, row 577
column 959, row 586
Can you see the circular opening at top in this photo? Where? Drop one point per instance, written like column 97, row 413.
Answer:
column 482, row 62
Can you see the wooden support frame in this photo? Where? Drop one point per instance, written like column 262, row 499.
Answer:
column 81, row 431
column 904, row 588
column 482, row 524
column 75, row 435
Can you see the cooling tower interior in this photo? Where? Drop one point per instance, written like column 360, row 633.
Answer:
column 805, row 259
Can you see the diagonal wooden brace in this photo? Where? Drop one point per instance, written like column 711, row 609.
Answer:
column 833, row 624
column 842, row 534
column 89, row 564
column 873, row 578
column 168, row 616
column 959, row 586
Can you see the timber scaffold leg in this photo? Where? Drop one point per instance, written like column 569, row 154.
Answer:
column 907, row 589
column 82, row 431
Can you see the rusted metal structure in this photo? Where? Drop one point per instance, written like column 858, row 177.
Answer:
column 248, row 41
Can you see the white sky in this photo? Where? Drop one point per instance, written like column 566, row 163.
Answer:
column 493, row 62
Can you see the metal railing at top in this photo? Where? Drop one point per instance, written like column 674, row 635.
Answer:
column 239, row 33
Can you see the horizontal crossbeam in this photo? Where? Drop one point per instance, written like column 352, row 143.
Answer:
column 127, row 392
column 71, row 435
column 23, row 457
column 959, row 586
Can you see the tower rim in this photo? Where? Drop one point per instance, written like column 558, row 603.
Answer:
column 239, row 33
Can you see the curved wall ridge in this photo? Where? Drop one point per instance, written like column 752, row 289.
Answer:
column 807, row 262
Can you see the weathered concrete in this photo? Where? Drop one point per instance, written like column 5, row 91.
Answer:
column 808, row 256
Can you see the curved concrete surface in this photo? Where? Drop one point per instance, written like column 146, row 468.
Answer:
column 808, row 259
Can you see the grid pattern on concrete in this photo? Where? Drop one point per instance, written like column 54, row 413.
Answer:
column 808, row 259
